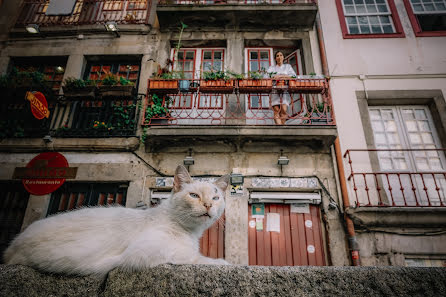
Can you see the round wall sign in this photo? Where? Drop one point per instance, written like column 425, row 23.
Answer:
column 39, row 105
column 41, row 163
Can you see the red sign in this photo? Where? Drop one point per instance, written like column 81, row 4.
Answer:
column 39, row 106
column 44, row 161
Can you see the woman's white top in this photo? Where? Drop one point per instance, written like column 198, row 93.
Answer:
column 284, row 97
column 284, row 69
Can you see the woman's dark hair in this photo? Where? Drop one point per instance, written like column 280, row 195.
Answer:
column 275, row 55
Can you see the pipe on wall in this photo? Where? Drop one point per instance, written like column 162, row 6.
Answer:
column 353, row 244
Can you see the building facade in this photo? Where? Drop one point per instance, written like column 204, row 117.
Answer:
column 285, row 205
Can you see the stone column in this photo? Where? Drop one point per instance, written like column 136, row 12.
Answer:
column 234, row 61
column 75, row 66
column 36, row 209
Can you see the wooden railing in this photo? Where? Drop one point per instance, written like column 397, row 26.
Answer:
column 86, row 12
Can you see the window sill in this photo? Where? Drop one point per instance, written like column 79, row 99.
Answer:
column 430, row 34
column 364, row 36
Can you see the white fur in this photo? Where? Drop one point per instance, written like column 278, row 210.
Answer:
column 96, row 240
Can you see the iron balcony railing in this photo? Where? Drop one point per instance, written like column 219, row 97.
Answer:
column 102, row 117
column 237, row 102
column 234, row 2
column 371, row 186
column 86, row 12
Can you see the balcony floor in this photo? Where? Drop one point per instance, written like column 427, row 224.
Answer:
column 233, row 138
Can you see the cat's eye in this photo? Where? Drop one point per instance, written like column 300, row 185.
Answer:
column 216, row 198
column 193, row 195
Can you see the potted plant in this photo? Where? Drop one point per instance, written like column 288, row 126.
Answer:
column 321, row 113
column 17, row 83
column 113, row 86
column 256, row 83
column 216, row 82
column 157, row 112
column 74, row 88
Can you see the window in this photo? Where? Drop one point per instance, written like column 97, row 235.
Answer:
column 400, row 128
column 369, row 19
column 128, row 70
column 258, row 60
column 193, row 62
column 428, row 17
column 74, row 195
column 14, row 200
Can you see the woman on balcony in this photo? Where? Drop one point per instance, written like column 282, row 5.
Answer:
column 280, row 100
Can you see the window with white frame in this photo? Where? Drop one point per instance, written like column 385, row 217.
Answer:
column 409, row 133
column 430, row 14
column 368, row 16
column 193, row 62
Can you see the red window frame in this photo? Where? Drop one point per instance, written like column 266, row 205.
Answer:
column 180, row 97
column 270, row 59
column 416, row 25
column 201, row 72
column 394, row 15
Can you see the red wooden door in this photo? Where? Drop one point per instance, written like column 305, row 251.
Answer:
column 212, row 243
column 298, row 243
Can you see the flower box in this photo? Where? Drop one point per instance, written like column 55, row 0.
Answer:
column 219, row 86
column 163, row 86
column 255, row 86
column 306, row 85
column 116, row 91
column 87, row 92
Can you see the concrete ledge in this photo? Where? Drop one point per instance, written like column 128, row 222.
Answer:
column 205, row 280
column 117, row 144
column 398, row 216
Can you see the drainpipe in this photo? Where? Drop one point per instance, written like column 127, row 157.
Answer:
column 353, row 244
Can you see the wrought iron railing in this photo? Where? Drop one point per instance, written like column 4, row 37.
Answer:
column 398, row 188
column 86, row 12
column 101, row 117
column 234, row 2
column 237, row 102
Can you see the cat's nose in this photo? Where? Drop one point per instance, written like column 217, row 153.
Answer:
column 207, row 205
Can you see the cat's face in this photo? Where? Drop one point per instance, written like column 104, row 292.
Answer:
column 198, row 203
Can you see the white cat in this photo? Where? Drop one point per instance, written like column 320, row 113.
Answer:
column 97, row 240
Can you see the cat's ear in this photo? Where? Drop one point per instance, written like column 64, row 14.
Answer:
column 181, row 177
column 222, row 182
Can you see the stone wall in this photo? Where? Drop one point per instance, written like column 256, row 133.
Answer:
column 206, row 280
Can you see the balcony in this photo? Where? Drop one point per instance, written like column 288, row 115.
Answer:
column 91, row 14
column 422, row 186
column 230, row 14
column 81, row 118
column 238, row 109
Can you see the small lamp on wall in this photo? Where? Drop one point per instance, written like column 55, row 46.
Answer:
column 236, row 179
column 283, row 160
column 189, row 160
column 112, row 27
column 32, row 28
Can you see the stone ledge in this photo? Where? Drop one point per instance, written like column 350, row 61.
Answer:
column 206, row 280
column 398, row 216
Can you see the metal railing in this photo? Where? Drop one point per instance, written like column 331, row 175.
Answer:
column 237, row 102
column 86, row 12
column 398, row 188
column 73, row 118
column 234, row 2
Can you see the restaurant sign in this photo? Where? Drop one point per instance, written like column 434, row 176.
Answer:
column 45, row 173
column 39, row 105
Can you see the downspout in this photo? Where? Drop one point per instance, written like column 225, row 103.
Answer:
column 353, row 244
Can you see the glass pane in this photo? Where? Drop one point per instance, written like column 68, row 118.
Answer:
column 350, row 9
column 358, row 1
column 411, row 126
column 382, row 8
column 388, row 29
column 348, row 1
column 207, row 55
column 254, row 101
column 377, row 126
column 400, row 164
column 408, row 114
column 420, row 114
column 390, row 126
column 180, row 55
column 376, row 29
column 371, row 8
column 188, row 66
column 218, row 65
column 264, row 65
column 374, row 114
column 353, row 29
column 360, row 9
column 254, row 55
column 218, row 55
column 414, row 138
column 374, row 20
column 435, row 164
column 429, row 7
column 387, row 114
column 386, row 164
column 369, row 2
column 380, row 138
column 393, row 138
column 423, row 126
column 351, row 20
column 207, row 66
column 365, row 29
column 264, row 55
column 254, row 66
column 427, row 138
column 417, row 7
column 189, row 55
column 422, row 163
column 384, row 20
